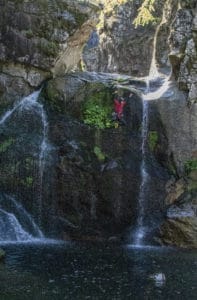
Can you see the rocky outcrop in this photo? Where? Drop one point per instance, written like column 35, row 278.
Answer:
column 180, row 232
column 116, row 45
column 36, row 37
column 97, row 166
column 180, row 227
column 92, row 174
column 178, row 111
column 183, row 44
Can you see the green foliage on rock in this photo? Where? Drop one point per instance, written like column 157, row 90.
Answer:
column 28, row 33
column 49, row 48
column 190, row 165
column 98, row 109
column 100, row 155
column 28, row 181
column 153, row 139
column 6, row 144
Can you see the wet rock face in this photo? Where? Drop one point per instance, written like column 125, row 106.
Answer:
column 97, row 170
column 97, row 175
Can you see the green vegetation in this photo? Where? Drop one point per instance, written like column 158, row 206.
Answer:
column 145, row 13
column 6, row 144
column 98, row 109
column 172, row 168
column 49, row 48
column 100, row 155
column 28, row 33
column 28, row 181
column 53, row 98
column 153, row 139
column 190, row 165
column 192, row 186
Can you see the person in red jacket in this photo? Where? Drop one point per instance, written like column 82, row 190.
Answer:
column 119, row 104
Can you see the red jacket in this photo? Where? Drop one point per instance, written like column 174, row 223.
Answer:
column 119, row 106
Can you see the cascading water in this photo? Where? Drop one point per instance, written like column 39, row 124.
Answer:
column 16, row 222
column 154, row 75
column 24, row 128
column 44, row 149
column 141, row 229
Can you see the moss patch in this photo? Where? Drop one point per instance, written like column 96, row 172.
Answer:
column 6, row 144
column 100, row 155
column 190, row 165
column 27, row 182
column 153, row 139
column 49, row 48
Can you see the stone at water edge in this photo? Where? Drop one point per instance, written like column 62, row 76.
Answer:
column 2, row 254
column 180, row 232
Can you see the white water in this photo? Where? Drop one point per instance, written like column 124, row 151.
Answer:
column 140, row 232
column 154, row 75
column 15, row 222
column 10, row 205
column 11, row 229
column 28, row 103
column 44, row 149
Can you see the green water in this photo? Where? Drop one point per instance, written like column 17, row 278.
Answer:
column 86, row 271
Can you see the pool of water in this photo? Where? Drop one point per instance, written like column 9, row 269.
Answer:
column 93, row 271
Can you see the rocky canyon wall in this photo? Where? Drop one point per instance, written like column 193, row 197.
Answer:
column 96, row 172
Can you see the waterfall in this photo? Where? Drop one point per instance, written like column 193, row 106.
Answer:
column 154, row 75
column 44, row 149
column 15, row 222
column 26, row 102
column 141, row 229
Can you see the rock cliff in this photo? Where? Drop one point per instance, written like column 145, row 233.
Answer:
column 33, row 37
column 93, row 172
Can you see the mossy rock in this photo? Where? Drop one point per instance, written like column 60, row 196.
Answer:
column 192, row 186
column 190, row 165
column 53, row 98
column 153, row 138
column 99, row 154
column 6, row 144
